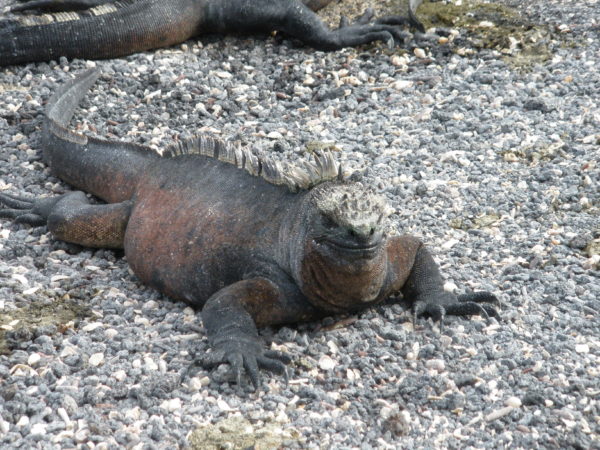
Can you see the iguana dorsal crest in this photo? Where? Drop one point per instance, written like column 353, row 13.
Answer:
column 304, row 175
column 32, row 20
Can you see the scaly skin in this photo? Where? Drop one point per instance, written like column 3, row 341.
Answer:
column 246, row 252
column 117, row 28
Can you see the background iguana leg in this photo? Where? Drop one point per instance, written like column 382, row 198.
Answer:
column 295, row 19
column 231, row 316
column 57, row 5
column 71, row 218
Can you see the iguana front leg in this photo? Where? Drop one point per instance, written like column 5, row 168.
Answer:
column 231, row 317
column 71, row 218
column 424, row 285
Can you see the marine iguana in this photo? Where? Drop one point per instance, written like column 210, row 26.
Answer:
column 245, row 239
column 97, row 29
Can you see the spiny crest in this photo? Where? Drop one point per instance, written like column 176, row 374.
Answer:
column 31, row 20
column 352, row 205
column 304, row 175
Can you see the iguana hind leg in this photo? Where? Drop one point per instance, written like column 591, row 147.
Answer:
column 71, row 218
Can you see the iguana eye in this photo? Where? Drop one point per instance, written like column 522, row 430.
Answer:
column 329, row 223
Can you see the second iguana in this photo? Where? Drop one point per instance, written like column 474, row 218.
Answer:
column 246, row 240
column 107, row 28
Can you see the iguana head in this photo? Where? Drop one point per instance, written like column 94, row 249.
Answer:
column 344, row 258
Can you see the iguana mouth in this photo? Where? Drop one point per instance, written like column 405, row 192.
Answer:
column 354, row 247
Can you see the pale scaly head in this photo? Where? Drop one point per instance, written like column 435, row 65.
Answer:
column 353, row 216
column 344, row 262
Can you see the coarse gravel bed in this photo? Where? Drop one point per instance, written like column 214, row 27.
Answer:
column 495, row 168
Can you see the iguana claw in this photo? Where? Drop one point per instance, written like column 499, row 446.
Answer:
column 24, row 210
column 439, row 305
column 246, row 354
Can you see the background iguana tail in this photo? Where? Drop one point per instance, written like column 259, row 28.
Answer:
column 109, row 30
column 109, row 170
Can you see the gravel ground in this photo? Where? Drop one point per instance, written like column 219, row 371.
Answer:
column 495, row 168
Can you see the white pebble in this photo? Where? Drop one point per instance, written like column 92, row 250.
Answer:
column 4, row 426
column 96, row 359
column 420, row 53
column 92, row 326
column 171, row 405
column 436, row 364
column 222, row 74
column 398, row 61
column 350, row 375
column 133, row 413
column 62, row 412
column 20, row 278
column 31, row 290
column 33, row 359
column 119, row 375
column 150, row 364
column 195, row 384
column 23, row 421
column 110, row 333
column 38, row 428
column 400, row 85
column 162, row 366
column 582, row 348
column 333, row 348
column 514, row 402
column 81, row 435
column 275, row 135
column 326, row 363
column 223, row 406
column 498, row 413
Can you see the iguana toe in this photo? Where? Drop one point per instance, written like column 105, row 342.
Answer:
column 34, row 220
column 30, row 211
column 354, row 35
column 441, row 304
column 273, row 365
column 236, row 361
column 14, row 201
column 479, row 297
column 366, row 17
column 466, row 309
column 245, row 353
column 251, row 366
column 22, row 210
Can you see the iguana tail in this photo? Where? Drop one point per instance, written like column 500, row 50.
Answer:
column 108, row 169
column 111, row 29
